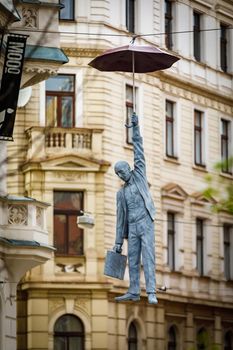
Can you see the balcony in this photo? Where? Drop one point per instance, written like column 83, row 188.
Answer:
column 24, row 239
column 45, row 142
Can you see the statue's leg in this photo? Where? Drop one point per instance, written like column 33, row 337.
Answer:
column 148, row 254
column 134, row 256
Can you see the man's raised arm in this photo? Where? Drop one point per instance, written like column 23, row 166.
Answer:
column 139, row 158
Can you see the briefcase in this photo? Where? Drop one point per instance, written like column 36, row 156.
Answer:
column 115, row 264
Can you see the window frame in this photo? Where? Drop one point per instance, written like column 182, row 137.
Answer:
column 230, row 334
column 197, row 39
column 200, row 239
column 225, row 139
column 130, row 12
column 171, row 233
column 132, row 340
column 199, row 130
column 201, row 335
column 172, row 345
column 172, row 121
column 71, row 19
column 223, row 47
column 59, row 95
column 227, row 250
column 168, row 23
column 70, row 334
column 68, row 213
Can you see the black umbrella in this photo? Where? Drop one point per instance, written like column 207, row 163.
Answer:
column 135, row 59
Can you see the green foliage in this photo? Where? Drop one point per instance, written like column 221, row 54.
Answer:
column 220, row 188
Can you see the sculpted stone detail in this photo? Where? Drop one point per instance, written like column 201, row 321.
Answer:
column 39, row 217
column 70, row 267
column 30, row 16
column 17, row 214
column 81, row 52
column 55, row 304
column 196, row 98
column 81, row 303
column 68, row 175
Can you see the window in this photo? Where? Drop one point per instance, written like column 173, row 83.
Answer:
column 200, row 245
column 68, row 333
column 168, row 24
column 132, row 337
column 60, row 101
column 228, row 268
column 171, row 239
column 130, row 15
column 202, row 339
column 170, row 129
column 225, row 146
column 223, row 47
column 198, row 138
column 129, row 111
column 228, row 341
column 196, row 36
column 172, row 339
column 68, row 237
column 67, row 12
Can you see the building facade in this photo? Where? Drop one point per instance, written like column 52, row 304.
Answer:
column 71, row 132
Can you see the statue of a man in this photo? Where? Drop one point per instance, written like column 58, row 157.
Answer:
column 135, row 221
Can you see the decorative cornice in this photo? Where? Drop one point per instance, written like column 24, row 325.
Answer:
column 81, row 52
column 199, row 94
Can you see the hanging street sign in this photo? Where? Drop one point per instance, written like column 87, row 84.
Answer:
column 10, row 84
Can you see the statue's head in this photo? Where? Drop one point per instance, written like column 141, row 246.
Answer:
column 122, row 169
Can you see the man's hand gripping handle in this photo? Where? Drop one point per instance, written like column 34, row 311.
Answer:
column 134, row 121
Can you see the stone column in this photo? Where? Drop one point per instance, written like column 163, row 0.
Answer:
column 217, row 331
column 189, row 331
column 160, row 326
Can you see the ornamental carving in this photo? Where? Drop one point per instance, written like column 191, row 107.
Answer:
column 81, row 304
column 17, row 214
column 55, row 304
column 30, row 16
column 39, row 217
column 69, row 175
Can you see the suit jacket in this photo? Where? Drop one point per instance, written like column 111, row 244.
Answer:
column 139, row 177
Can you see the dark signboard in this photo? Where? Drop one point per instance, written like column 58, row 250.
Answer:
column 10, row 84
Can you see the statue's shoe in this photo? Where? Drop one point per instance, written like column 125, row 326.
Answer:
column 152, row 299
column 128, row 296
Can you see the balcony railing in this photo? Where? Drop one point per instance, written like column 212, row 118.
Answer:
column 44, row 141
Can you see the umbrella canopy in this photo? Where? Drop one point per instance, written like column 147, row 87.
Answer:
column 133, row 58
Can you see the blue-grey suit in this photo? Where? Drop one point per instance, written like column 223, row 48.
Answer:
column 135, row 220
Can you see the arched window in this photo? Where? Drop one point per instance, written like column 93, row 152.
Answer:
column 132, row 337
column 228, row 341
column 68, row 333
column 202, row 339
column 172, row 338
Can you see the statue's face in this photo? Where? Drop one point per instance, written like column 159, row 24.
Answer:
column 124, row 172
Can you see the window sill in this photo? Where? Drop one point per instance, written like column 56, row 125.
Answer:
column 203, row 277
column 227, row 175
column 173, row 160
column 229, row 282
column 67, row 20
column 200, row 168
column 68, row 258
column 128, row 146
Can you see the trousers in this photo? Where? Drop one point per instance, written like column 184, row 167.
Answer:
column 141, row 242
